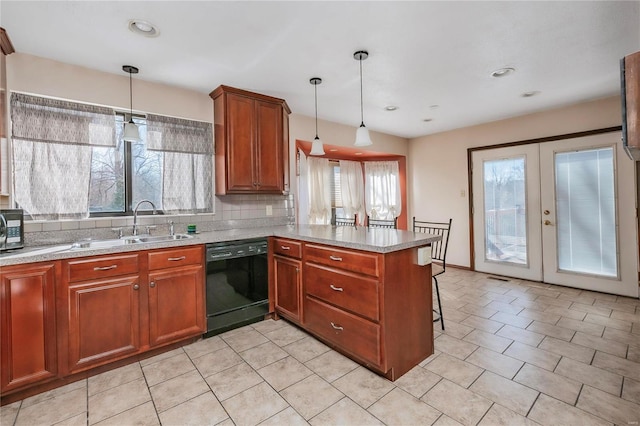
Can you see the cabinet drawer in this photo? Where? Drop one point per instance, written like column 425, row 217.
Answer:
column 162, row 259
column 344, row 259
column 287, row 247
column 348, row 291
column 101, row 267
column 351, row 333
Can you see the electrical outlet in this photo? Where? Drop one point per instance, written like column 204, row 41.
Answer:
column 269, row 210
column 424, row 256
column 462, row 193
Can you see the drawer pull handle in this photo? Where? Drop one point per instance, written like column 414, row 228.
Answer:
column 335, row 288
column 336, row 327
column 285, row 247
column 336, row 258
column 136, row 286
column 177, row 259
column 105, row 268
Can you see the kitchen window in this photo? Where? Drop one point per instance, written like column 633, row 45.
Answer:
column 70, row 161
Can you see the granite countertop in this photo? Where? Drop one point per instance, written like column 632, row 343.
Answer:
column 378, row 240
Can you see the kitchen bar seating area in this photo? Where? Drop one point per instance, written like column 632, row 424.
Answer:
column 512, row 349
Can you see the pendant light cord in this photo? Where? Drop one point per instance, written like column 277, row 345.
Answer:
column 130, row 98
column 361, row 107
column 315, row 91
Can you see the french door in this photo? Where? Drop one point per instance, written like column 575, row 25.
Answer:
column 560, row 212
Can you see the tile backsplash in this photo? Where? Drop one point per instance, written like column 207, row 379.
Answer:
column 231, row 211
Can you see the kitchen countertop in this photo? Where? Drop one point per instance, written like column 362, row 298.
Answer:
column 378, row 240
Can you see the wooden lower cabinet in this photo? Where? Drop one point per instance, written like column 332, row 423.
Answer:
column 288, row 274
column 374, row 307
column 175, row 304
column 104, row 321
column 132, row 303
column 28, row 322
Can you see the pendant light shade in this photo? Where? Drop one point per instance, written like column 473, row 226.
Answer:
column 316, row 146
column 131, row 133
column 362, row 134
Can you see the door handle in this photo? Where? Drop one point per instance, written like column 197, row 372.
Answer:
column 547, row 222
column 546, row 212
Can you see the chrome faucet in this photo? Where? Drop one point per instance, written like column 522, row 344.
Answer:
column 135, row 214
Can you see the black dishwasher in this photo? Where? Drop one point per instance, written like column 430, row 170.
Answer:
column 237, row 284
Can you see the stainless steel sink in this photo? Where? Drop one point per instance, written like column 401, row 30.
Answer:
column 133, row 239
column 155, row 238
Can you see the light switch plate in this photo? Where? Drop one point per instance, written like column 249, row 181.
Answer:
column 269, row 210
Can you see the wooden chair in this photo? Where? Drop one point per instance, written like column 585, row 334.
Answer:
column 379, row 223
column 438, row 254
column 346, row 221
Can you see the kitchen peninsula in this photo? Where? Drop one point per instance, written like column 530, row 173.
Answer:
column 360, row 290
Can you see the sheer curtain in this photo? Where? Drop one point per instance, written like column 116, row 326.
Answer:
column 187, row 179
column 352, row 189
column 319, row 187
column 52, row 146
column 382, row 189
column 303, row 188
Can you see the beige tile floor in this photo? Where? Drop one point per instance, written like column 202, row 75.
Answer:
column 514, row 353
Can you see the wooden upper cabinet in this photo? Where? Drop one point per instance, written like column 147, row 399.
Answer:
column 252, row 142
column 29, row 351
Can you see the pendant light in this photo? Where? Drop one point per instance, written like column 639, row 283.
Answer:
column 316, row 146
column 362, row 134
column 131, row 133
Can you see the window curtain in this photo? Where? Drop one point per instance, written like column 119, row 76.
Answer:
column 319, row 185
column 382, row 189
column 303, row 188
column 188, row 162
column 52, row 142
column 352, row 189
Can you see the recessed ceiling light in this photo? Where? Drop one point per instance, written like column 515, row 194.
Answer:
column 502, row 72
column 144, row 28
column 426, row 120
column 390, row 108
column 530, row 94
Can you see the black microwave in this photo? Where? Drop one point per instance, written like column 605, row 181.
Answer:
column 11, row 229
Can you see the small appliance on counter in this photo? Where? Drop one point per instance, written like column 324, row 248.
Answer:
column 11, row 229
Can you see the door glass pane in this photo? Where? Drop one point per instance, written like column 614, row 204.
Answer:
column 505, row 211
column 586, row 212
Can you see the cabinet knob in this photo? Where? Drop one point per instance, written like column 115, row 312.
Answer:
column 136, row 286
column 152, row 284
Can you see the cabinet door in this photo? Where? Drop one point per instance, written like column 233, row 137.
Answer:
column 28, row 325
column 103, row 321
column 288, row 287
column 240, row 144
column 269, row 149
column 176, row 304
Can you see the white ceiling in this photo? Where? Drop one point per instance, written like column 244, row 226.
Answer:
column 420, row 53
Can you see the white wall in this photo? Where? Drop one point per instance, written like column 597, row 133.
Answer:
column 438, row 178
column 40, row 76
